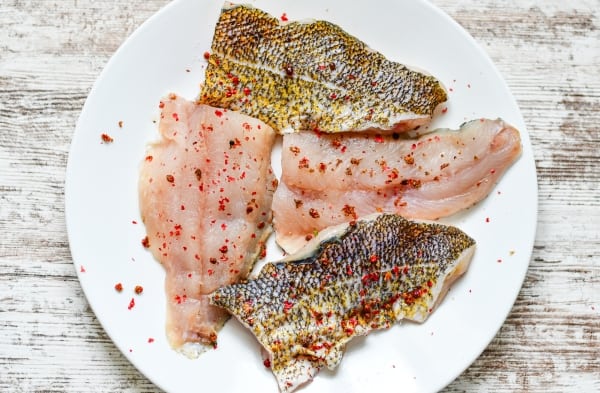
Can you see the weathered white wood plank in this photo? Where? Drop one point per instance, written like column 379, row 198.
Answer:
column 52, row 51
column 548, row 52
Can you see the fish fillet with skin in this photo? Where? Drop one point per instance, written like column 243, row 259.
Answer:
column 311, row 75
column 329, row 179
column 205, row 192
column 348, row 281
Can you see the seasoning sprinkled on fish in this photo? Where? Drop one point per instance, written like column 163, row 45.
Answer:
column 349, row 280
column 205, row 192
column 311, row 75
column 328, row 179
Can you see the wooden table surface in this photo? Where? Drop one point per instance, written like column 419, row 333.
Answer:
column 52, row 51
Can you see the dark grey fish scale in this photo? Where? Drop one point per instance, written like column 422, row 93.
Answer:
column 377, row 271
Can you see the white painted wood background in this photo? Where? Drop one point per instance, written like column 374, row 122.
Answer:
column 52, row 51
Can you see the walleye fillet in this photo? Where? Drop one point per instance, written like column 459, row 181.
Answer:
column 348, row 281
column 205, row 192
column 311, row 75
column 328, row 179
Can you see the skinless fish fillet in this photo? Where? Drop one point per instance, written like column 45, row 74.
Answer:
column 311, row 75
column 328, row 179
column 348, row 281
column 205, row 192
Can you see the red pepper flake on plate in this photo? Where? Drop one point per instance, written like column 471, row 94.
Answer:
column 118, row 287
column 107, row 138
column 284, row 17
column 131, row 304
column 81, row 269
column 138, row 289
column 150, row 340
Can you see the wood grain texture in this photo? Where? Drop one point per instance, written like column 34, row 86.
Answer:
column 51, row 52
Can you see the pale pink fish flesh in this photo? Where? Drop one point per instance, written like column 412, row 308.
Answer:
column 205, row 193
column 329, row 179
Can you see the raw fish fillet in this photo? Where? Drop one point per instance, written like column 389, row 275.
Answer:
column 205, row 193
column 311, row 75
column 348, row 281
column 328, row 179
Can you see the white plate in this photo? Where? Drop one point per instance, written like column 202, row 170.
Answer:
column 165, row 55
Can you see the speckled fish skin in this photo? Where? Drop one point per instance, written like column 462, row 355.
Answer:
column 349, row 280
column 311, row 75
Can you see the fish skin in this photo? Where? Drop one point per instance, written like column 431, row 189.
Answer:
column 328, row 179
column 311, row 75
column 349, row 280
column 205, row 192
